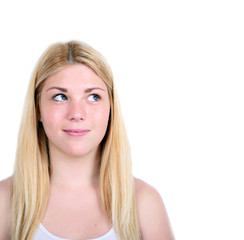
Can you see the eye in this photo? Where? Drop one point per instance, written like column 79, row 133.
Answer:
column 59, row 97
column 94, row 98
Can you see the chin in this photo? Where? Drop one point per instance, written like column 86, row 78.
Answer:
column 80, row 152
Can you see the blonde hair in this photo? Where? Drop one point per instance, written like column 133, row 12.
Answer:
column 31, row 177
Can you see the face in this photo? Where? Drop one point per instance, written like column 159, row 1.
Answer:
column 74, row 109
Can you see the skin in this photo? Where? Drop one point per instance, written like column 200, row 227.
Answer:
column 5, row 209
column 76, row 98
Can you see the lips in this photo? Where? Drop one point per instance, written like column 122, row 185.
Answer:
column 76, row 132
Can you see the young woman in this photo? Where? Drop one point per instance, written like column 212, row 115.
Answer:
column 72, row 176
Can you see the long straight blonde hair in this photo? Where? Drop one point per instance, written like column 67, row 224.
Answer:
column 31, row 177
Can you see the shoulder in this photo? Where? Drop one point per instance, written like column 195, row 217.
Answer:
column 152, row 215
column 5, row 192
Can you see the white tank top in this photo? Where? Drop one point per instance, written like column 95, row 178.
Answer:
column 43, row 234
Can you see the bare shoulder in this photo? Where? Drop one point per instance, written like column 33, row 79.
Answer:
column 152, row 215
column 5, row 189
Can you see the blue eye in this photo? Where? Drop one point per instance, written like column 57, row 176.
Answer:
column 94, row 98
column 60, row 97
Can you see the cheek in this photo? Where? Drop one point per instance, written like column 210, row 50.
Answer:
column 101, row 117
column 50, row 117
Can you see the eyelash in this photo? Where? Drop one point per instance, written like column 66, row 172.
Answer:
column 60, row 94
column 63, row 96
column 97, row 96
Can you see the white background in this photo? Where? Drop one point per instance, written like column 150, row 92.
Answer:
column 178, row 67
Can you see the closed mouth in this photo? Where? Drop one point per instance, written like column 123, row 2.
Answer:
column 76, row 132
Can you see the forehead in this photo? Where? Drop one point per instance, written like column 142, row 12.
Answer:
column 73, row 76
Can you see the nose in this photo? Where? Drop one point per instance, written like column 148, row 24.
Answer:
column 76, row 111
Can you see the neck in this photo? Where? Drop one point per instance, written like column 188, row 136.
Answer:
column 74, row 172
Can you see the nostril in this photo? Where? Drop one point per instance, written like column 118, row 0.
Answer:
column 76, row 115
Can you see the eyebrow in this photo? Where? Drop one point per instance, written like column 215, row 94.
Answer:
column 58, row 88
column 91, row 89
column 86, row 91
